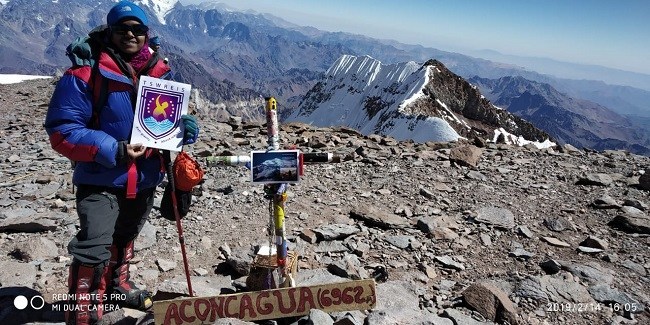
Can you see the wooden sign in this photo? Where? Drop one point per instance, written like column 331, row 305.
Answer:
column 268, row 304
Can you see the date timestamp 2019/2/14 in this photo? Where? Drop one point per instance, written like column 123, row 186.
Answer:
column 572, row 307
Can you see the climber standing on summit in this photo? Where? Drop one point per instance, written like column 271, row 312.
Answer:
column 154, row 43
column 89, row 120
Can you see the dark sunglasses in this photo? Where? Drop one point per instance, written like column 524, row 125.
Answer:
column 136, row 30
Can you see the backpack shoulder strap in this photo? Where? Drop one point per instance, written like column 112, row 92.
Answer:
column 99, row 93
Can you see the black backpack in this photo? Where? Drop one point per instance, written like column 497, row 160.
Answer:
column 85, row 51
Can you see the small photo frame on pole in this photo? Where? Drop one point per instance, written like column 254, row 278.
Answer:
column 277, row 166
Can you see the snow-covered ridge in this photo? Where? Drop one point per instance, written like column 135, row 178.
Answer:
column 392, row 100
column 222, row 7
column 353, row 82
column 160, row 7
column 370, row 69
column 370, row 76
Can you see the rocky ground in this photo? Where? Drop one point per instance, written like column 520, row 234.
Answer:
column 454, row 233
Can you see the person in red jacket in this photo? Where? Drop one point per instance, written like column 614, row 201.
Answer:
column 94, row 133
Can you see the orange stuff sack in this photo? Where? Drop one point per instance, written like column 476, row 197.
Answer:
column 187, row 172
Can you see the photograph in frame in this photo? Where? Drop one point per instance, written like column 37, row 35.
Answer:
column 278, row 166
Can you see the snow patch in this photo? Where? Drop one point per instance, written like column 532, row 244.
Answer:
column 16, row 78
column 160, row 7
column 519, row 140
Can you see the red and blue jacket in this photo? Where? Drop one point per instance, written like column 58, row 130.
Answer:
column 93, row 142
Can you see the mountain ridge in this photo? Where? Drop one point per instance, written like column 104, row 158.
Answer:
column 253, row 53
column 405, row 101
column 570, row 70
column 578, row 122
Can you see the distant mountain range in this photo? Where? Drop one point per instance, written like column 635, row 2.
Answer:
column 236, row 58
column 568, row 120
column 570, row 70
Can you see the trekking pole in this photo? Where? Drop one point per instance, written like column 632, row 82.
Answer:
column 179, row 227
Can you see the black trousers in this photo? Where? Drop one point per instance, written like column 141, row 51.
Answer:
column 107, row 217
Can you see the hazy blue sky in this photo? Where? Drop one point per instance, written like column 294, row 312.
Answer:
column 611, row 33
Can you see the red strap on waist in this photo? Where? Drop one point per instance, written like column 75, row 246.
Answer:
column 131, row 180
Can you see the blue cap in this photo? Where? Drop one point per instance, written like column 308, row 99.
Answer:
column 126, row 10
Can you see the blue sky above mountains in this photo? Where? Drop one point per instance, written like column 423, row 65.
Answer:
column 599, row 32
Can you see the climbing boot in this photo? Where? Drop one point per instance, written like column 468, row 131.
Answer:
column 123, row 291
column 87, row 290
